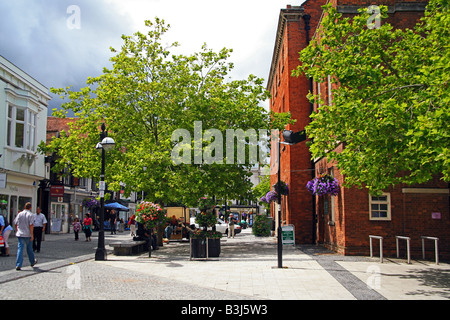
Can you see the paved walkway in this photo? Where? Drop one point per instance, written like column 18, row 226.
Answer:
column 248, row 266
column 246, row 269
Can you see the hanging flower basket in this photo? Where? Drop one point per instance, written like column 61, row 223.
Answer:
column 283, row 189
column 271, row 196
column 89, row 203
column 150, row 214
column 263, row 199
column 322, row 185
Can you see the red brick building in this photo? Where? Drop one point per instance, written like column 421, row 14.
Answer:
column 344, row 222
column 295, row 27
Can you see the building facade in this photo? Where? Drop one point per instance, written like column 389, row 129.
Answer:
column 63, row 196
column 296, row 25
column 23, row 118
column 344, row 222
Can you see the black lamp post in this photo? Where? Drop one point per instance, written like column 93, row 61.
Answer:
column 290, row 138
column 106, row 143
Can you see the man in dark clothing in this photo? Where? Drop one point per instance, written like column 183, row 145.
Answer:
column 143, row 234
column 112, row 221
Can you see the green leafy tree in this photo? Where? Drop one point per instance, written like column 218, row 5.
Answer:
column 391, row 109
column 147, row 95
column 261, row 190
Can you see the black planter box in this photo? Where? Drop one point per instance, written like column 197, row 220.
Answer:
column 213, row 248
column 198, row 248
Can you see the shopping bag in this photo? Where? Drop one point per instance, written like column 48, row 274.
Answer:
column 2, row 242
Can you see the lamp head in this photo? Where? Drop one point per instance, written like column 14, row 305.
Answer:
column 108, row 143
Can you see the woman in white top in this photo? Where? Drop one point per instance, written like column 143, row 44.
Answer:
column 5, row 230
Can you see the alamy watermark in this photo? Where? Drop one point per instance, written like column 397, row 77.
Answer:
column 74, row 20
column 374, row 280
column 74, row 280
column 211, row 146
column 374, row 21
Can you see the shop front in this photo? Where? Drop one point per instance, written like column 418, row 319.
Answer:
column 17, row 191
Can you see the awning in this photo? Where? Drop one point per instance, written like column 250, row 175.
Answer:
column 117, row 206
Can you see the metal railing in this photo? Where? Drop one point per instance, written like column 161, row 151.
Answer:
column 381, row 246
column 436, row 250
column 408, row 239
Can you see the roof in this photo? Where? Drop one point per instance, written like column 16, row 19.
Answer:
column 56, row 125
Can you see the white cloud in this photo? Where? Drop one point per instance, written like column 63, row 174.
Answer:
column 40, row 42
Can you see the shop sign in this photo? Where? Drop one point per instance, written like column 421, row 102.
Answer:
column 287, row 234
column 57, row 191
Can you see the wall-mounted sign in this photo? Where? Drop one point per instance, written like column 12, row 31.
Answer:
column 57, row 191
column 435, row 215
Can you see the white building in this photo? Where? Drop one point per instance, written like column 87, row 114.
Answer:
column 23, row 125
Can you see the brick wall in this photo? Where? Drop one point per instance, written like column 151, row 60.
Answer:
column 289, row 94
column 348, row 232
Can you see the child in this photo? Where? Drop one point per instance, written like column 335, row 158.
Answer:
column 76, row 227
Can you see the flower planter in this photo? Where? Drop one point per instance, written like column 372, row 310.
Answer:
column 198, row 248
column 213, row 248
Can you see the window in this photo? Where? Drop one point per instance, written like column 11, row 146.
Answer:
column 21, row 128
column 380, row 207
column 31, row 130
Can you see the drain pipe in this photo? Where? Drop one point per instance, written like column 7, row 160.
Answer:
column 307, row 19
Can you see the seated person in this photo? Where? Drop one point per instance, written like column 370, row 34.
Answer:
column 143, row 234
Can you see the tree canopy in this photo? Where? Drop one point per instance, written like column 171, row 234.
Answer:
column 145, row 97
column 391, row 107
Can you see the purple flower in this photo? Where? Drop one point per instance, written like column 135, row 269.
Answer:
column 323, row 185
column 271, row 196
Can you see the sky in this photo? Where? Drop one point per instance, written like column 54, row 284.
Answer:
column 61, row 43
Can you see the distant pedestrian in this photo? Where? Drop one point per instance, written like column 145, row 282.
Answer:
column 76, row 227
column 132, row 224
column 168, row 231
column 24, row 226
column 231, row 223
column 39, row 226
column 87, row 227
column 5, row 230
column 112, row 221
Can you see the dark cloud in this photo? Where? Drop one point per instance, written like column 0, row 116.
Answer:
column 60, row 48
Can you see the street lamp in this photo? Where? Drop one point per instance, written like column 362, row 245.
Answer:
column 106, row 143
column 290, row 138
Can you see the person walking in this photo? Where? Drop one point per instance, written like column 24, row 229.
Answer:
column 39, row 225
column 112, row 221
column 132, row 224
column 231, row 223
column 87, row 226
column 76, row 227
column 24, row 233
column 5, row 230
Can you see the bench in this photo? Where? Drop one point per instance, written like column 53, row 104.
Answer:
column 128, row 248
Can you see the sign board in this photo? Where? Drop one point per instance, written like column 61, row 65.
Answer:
column 56, row 225
column 436, row 215
column 287, row 234
column 57, row 191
